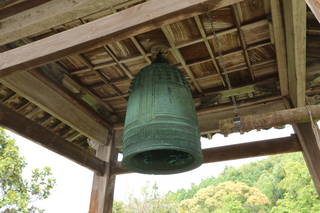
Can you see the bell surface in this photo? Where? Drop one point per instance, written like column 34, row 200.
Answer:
column 161, row 134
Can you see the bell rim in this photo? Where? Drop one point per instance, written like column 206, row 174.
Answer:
column 197, row 156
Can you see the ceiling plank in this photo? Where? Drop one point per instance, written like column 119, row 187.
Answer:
column 242, row 150
column 17, row 8
column 47, row 15
column 135, row 20
column 295, row 26
column 56, row 102
column 42, row 136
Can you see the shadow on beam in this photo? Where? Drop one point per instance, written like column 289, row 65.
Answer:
column 243, row 150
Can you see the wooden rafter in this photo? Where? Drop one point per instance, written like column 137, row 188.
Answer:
column 55, row 101
column 135, row 20
column 195, row 41
column 126, row 71
column 37, row 133
column 236, row 11
column 36, row 20
column 140, row 49
column 210, row 51
column 177, row 54
column 102, row 76
column 242, row 150
column 246, row 89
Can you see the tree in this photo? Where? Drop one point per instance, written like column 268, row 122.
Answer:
column 118, row 207
column 226, row 197
column 299, row 193
column 151, row 202
column 17, row 194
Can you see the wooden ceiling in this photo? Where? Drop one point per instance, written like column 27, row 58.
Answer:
column 85, row 94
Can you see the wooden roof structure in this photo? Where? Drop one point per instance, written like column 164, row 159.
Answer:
column 66, row 68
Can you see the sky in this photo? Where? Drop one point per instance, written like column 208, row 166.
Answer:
column 73, row 188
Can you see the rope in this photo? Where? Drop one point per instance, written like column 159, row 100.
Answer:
column 314, row 125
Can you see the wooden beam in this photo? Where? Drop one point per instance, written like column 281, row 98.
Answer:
column 46, row 15
column 236, row 9
column 17, row 8
column 295, row 26
column 177, row 54
column 314, row 6
column 280, row 45
column 242, row 150
column 271, row 119
column 195, row 41
column 31, row 130
column 267, row 87
column 54, row 100
column 135, row 20
column 209, row 119
column 103, row 186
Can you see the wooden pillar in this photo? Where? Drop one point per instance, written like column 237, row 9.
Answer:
column 308, row 135
column 103, row 185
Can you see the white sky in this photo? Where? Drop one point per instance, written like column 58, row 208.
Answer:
column 72, row 191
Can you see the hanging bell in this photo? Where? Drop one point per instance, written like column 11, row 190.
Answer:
column 161, row 134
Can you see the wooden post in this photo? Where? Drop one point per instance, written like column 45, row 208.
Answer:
column 308, row 133
column 103, row 186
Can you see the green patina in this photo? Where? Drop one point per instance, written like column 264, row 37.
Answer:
column 161, row 133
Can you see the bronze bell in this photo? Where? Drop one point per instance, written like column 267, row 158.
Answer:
column 161, row 134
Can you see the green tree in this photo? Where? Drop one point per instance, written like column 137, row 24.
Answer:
column 299, row 192
column 17, row 194
column 226, row 197
column 151, row 202
column 118, row 207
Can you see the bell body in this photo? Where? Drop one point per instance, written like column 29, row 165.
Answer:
column 161, row 134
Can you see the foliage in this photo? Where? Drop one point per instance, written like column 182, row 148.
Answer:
column 226, row 197
column 277, row 184
column 16, row 193
column 151, row 202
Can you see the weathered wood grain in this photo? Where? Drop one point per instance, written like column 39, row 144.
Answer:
column 103, row 186
column 134, row 21
column 29, row 129
column 55, row 101
column 271, row 119
column 242, row 150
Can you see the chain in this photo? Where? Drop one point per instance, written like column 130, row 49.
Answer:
column 225, row 75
